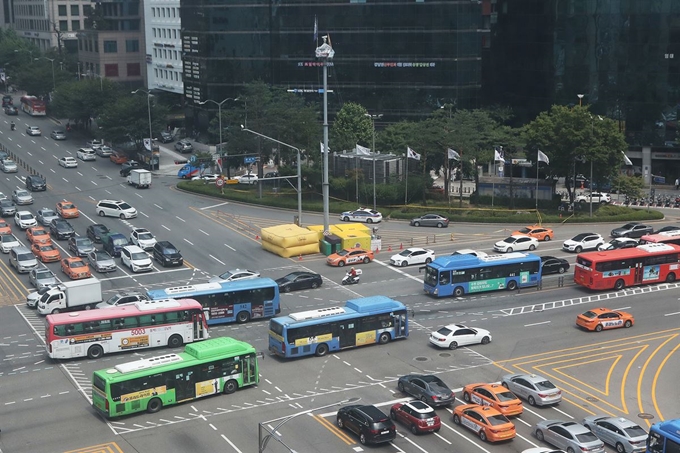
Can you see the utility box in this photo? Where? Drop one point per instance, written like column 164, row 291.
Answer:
column 335, row 242
column 326, row 248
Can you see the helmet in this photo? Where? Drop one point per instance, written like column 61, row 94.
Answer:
column 352, row 268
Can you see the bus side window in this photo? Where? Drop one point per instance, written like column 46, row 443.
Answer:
column 172, row 317
column 444, row 277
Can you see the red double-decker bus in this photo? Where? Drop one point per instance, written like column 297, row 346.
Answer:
column 33, row 106
column 617, row 269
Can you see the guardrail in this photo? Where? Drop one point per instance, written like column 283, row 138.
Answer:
column 20, row 162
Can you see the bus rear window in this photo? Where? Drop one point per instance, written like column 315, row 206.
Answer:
column 99, row 383
column 276, row 327
column 584, row 262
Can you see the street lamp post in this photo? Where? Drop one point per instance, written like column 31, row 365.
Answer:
column 299, row 168
column 580, row 99
column 373, row 118
column 51, row 60
column 219, row 115
column 272, row 433
column 148, row 106
column 325, row 53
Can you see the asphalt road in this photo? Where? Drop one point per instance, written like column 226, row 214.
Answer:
column 44, row 405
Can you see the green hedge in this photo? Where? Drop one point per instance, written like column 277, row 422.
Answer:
column 287, row 199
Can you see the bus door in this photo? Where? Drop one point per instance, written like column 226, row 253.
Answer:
column 199, row 334
column 185, row 389
column 639, row 272
column 250, row 370
column 399, row 325
column 348, row 334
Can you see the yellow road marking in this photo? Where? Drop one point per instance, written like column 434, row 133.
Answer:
column 656, row 377
column 189, row 265
column 334, row 429
column 609, row 373
column 642, row 375
column 110, row 447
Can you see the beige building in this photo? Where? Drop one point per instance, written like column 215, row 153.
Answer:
column 51, row 23
column 112, row 45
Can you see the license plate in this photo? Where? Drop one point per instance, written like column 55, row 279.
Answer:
column 385, row 432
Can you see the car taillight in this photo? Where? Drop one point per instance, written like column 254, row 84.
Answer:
column 441, row 339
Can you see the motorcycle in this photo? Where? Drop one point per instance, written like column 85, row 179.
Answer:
column 349, row 280
column 12, row 126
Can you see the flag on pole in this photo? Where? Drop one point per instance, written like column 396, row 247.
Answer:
column 362, row 151
column 626, row 160
column 497, row 157
column 316, row 31
column 412, row 154
column 453, row 154
column 322, row 150
column 542, row 157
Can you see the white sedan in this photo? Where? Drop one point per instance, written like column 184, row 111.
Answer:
column 413, row 255
column 233, row 275
column 86, row 154
column 247, row 179
column 361, row 215
column 455, row 335
column 208, row 178
column 516, row 243
column 68, row 162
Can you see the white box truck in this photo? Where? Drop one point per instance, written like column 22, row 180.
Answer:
column 71, row 296
column 140, row 179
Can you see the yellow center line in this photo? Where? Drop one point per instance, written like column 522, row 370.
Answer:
column 624, row 378
column 656, row 377
column 334, row 429
column 642, row 375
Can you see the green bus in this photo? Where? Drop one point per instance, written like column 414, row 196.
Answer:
column 218, row 365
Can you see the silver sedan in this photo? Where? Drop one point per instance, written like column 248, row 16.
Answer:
column 101, row 261
column 569, row 436
column 22, row 197
column 45, row 216
column 41, row 277
column 619, row 432
column 537, row 390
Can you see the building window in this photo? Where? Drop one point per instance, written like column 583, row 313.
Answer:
column 75, row 10
column 75, row 24
column 63, row 25
column 134, row 70
column 111, row 47
column 111, row 70
column 62, row 10
column 131, row 45
column 87, row 10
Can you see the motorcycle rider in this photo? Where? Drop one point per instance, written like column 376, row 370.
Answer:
column 12, row 125
column 352, row 274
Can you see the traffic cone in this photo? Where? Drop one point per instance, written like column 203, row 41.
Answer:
column 401, row 247
column 257, row 237
column 300, row 257
column 389, row 249
column 377, row 250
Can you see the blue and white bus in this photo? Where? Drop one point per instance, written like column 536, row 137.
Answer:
column 360, row 322
column 238, row 301
column 664, row 437
column 457, row 275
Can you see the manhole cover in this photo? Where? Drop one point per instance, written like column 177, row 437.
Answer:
column 645, row 416
column 422, row 359
column 445, row 354
column 592, row 400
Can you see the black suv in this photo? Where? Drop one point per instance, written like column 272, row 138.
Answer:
column 167, row 254
column 35, row 183
column 128, row 166
column 61, row 229
column 7, row 100
column 368, row 422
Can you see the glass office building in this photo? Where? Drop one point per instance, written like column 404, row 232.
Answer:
column 401, row 58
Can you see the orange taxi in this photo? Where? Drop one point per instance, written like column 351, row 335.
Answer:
column 4, row 227
column 67, row 210
column 118, row 158
column 75, row 268
column 536, row 231
column 489, row 424
column 47, row 253
column 599, row 319
column 350, row 257
column 38, row 235
column 494, row 395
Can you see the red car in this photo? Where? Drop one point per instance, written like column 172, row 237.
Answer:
column 418, row 416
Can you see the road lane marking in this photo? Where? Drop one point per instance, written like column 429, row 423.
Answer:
column 642, row 375
column 537, row 323
column 214, row 206
column 656, row 378
column 672, row 314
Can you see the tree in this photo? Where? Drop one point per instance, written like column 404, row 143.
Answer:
column 352, row 125
column 81, row 100
column 569, row 136
column 126, row 119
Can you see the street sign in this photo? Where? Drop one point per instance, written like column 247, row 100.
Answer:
column 192, row 159
column 250, row 160
column 219, row 182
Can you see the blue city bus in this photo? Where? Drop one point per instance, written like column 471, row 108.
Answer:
column 369, row 320
column 237, row 301
column 457, row 275
column 664, row 437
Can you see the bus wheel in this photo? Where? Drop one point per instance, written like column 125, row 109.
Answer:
column 458, row 292
column 243, row 316
column 619, row 284
column 321, row 350
column 175, row 341
column 385, row 338
column 230, row 387
column 95, row 352
column 512, row 285
column 154, row 406
column 670, row 278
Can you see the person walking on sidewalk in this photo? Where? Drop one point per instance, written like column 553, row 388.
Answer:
column 677, row 183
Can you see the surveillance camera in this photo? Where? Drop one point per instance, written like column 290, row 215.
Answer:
column 242, row 126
